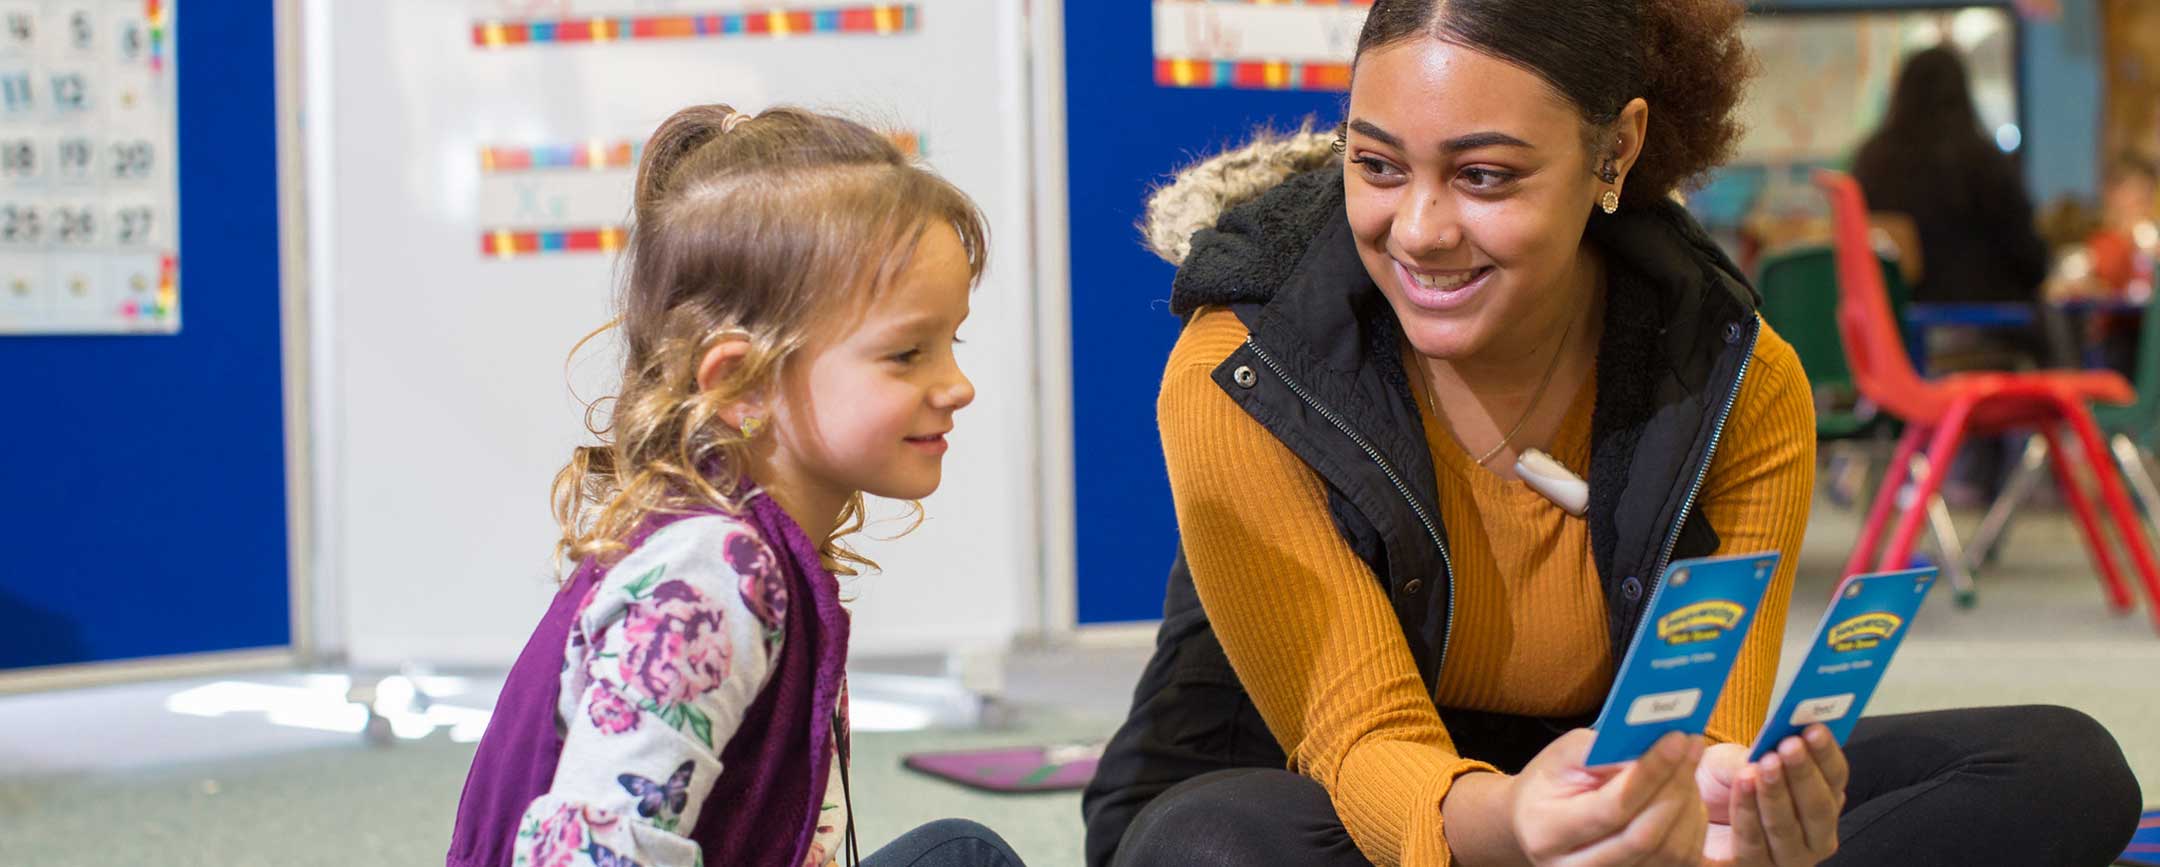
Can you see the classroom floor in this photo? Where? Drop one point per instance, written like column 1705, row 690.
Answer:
column 108, row 776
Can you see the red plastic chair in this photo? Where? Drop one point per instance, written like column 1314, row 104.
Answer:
column 1942, row 412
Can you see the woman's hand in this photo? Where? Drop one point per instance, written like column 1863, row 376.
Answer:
column 1782, row 811
column 1644, row 813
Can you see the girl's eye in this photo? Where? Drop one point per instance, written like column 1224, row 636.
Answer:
column 907, row 357
column 1487, row 179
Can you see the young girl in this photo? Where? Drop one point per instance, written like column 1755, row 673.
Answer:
column 788, row 319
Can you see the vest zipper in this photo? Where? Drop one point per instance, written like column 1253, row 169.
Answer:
column 1717, row 434
column 1432, row 530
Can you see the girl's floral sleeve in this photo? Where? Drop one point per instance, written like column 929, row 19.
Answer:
column 668, row 652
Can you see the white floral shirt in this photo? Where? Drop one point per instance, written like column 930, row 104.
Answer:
column 668, row 652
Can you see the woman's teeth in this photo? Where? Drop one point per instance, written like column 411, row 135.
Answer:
column 1443, row 282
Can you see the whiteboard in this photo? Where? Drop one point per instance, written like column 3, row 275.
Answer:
column 466, row 175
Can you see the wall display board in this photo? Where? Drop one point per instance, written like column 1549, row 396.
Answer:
column 146, row 509
column 1256, row 45
column 1150, row 88
column 89, row 184
column 475, row 163
column 1827, row 77
column 527, row 207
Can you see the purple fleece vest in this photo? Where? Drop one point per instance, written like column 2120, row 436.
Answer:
column 773, row 771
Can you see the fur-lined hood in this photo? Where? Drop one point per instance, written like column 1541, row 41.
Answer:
column 1203, row 191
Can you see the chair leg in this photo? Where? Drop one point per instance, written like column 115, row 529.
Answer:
column 1942, row 450
column 1886, row 496
column 2081, row 508
column 1946, row 542
column 1987, row 541
column 2132, row 457
column 2118, row 504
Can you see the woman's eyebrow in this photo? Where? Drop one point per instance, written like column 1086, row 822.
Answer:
column 1458, row 144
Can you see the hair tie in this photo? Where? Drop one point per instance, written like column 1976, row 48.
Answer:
column 733, row 121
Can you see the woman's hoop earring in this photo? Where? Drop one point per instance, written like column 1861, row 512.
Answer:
column 1342, row 139
column 1610, row 202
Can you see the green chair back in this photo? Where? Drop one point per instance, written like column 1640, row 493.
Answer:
column 2141, row 419
column 1800, row 297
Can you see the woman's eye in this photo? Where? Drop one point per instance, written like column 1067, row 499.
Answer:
column 1487, row 179
column 907, row 357
column 1375, row 167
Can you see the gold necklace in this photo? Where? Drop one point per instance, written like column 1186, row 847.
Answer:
column 1535, row 396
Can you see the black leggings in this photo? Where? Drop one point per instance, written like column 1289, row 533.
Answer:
column 2023, row 786
column 946, row 843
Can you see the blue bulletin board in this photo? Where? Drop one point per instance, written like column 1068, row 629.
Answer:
column 143, row 484
column 1126, row 134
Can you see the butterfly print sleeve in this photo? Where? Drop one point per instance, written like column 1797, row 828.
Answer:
column 666, row 656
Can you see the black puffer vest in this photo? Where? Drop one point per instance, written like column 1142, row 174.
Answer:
column 1322, row 372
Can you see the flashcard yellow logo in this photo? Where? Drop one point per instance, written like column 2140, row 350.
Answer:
column 1864, row 631
column 1702, row 621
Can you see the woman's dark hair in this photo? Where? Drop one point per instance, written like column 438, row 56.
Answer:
column 1683, row 57
column 1932, row 98
column 1930, row 142
column 1931, row 161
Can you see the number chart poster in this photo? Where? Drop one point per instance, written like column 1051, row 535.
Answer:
column 89, row 191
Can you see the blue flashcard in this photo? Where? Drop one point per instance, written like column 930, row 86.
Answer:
column 1676, row 667
column 1846, row 659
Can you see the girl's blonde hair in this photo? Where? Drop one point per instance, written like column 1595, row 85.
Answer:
column 743, row 226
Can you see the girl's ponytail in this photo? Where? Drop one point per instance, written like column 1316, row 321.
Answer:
column 680, row 136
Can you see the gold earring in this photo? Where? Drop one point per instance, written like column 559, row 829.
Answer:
column 1610, row 202
column 751, row 426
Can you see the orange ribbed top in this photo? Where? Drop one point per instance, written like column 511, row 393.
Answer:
column 1311, row 634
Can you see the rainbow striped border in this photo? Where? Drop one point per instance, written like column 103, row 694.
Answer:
column 154, row 12
column 880, row 19
column 598, row 154
column 1252, row 74
column 590, row 155
column 512, row 243
column 167, row 301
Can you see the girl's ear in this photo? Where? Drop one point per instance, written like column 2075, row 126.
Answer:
column 720, row 362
